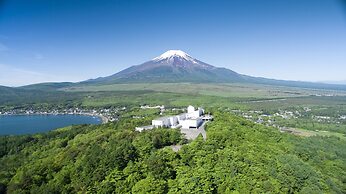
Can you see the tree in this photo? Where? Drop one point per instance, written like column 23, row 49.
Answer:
column 150, row 185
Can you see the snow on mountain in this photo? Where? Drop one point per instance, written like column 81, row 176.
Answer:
column 171, row 55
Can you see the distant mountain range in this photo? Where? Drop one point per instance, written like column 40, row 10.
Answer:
column 177, row 66
column 342, row 82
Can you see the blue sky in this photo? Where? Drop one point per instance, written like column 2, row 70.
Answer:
column 74, row 40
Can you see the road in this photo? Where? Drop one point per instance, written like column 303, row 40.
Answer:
column 193, row 133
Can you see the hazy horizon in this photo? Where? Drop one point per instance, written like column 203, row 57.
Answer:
column 71, row 41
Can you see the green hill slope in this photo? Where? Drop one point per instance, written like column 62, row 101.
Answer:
column 237, row 157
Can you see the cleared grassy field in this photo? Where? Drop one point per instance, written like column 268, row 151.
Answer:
column 137, row 98
column 221, row 90
column 309, row 133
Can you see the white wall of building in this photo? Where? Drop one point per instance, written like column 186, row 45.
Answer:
column 181, row 117
column 157, row 123
column 165, row 121
column 191, row 123
column 195, row 114
column 190, row 109
column 173, row 121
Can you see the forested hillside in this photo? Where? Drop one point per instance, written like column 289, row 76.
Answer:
column 237, row 157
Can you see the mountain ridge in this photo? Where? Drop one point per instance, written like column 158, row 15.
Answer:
column 177, row 66
column 172, row 66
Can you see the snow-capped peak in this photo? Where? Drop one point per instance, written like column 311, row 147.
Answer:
column 174, row 53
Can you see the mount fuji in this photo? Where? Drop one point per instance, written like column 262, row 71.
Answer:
column 177, row 66
column 172, row 66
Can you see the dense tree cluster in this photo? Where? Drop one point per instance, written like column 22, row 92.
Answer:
column 237, row 157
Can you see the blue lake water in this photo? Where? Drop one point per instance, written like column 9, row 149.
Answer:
column 29, row 124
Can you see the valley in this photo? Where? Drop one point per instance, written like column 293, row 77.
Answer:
column 258, row 102
column 241, row 140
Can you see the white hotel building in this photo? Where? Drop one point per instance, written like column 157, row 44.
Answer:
column 192, row 119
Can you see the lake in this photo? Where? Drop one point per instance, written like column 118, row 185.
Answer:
column 29, row 124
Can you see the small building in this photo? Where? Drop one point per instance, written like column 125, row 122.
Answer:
column 207, row 117
column 143, row 128
column 160, row 122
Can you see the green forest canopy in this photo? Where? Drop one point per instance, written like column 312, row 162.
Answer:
column 237, row 157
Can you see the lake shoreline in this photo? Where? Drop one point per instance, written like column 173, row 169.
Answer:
column 19, row 124
column 103, row 118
